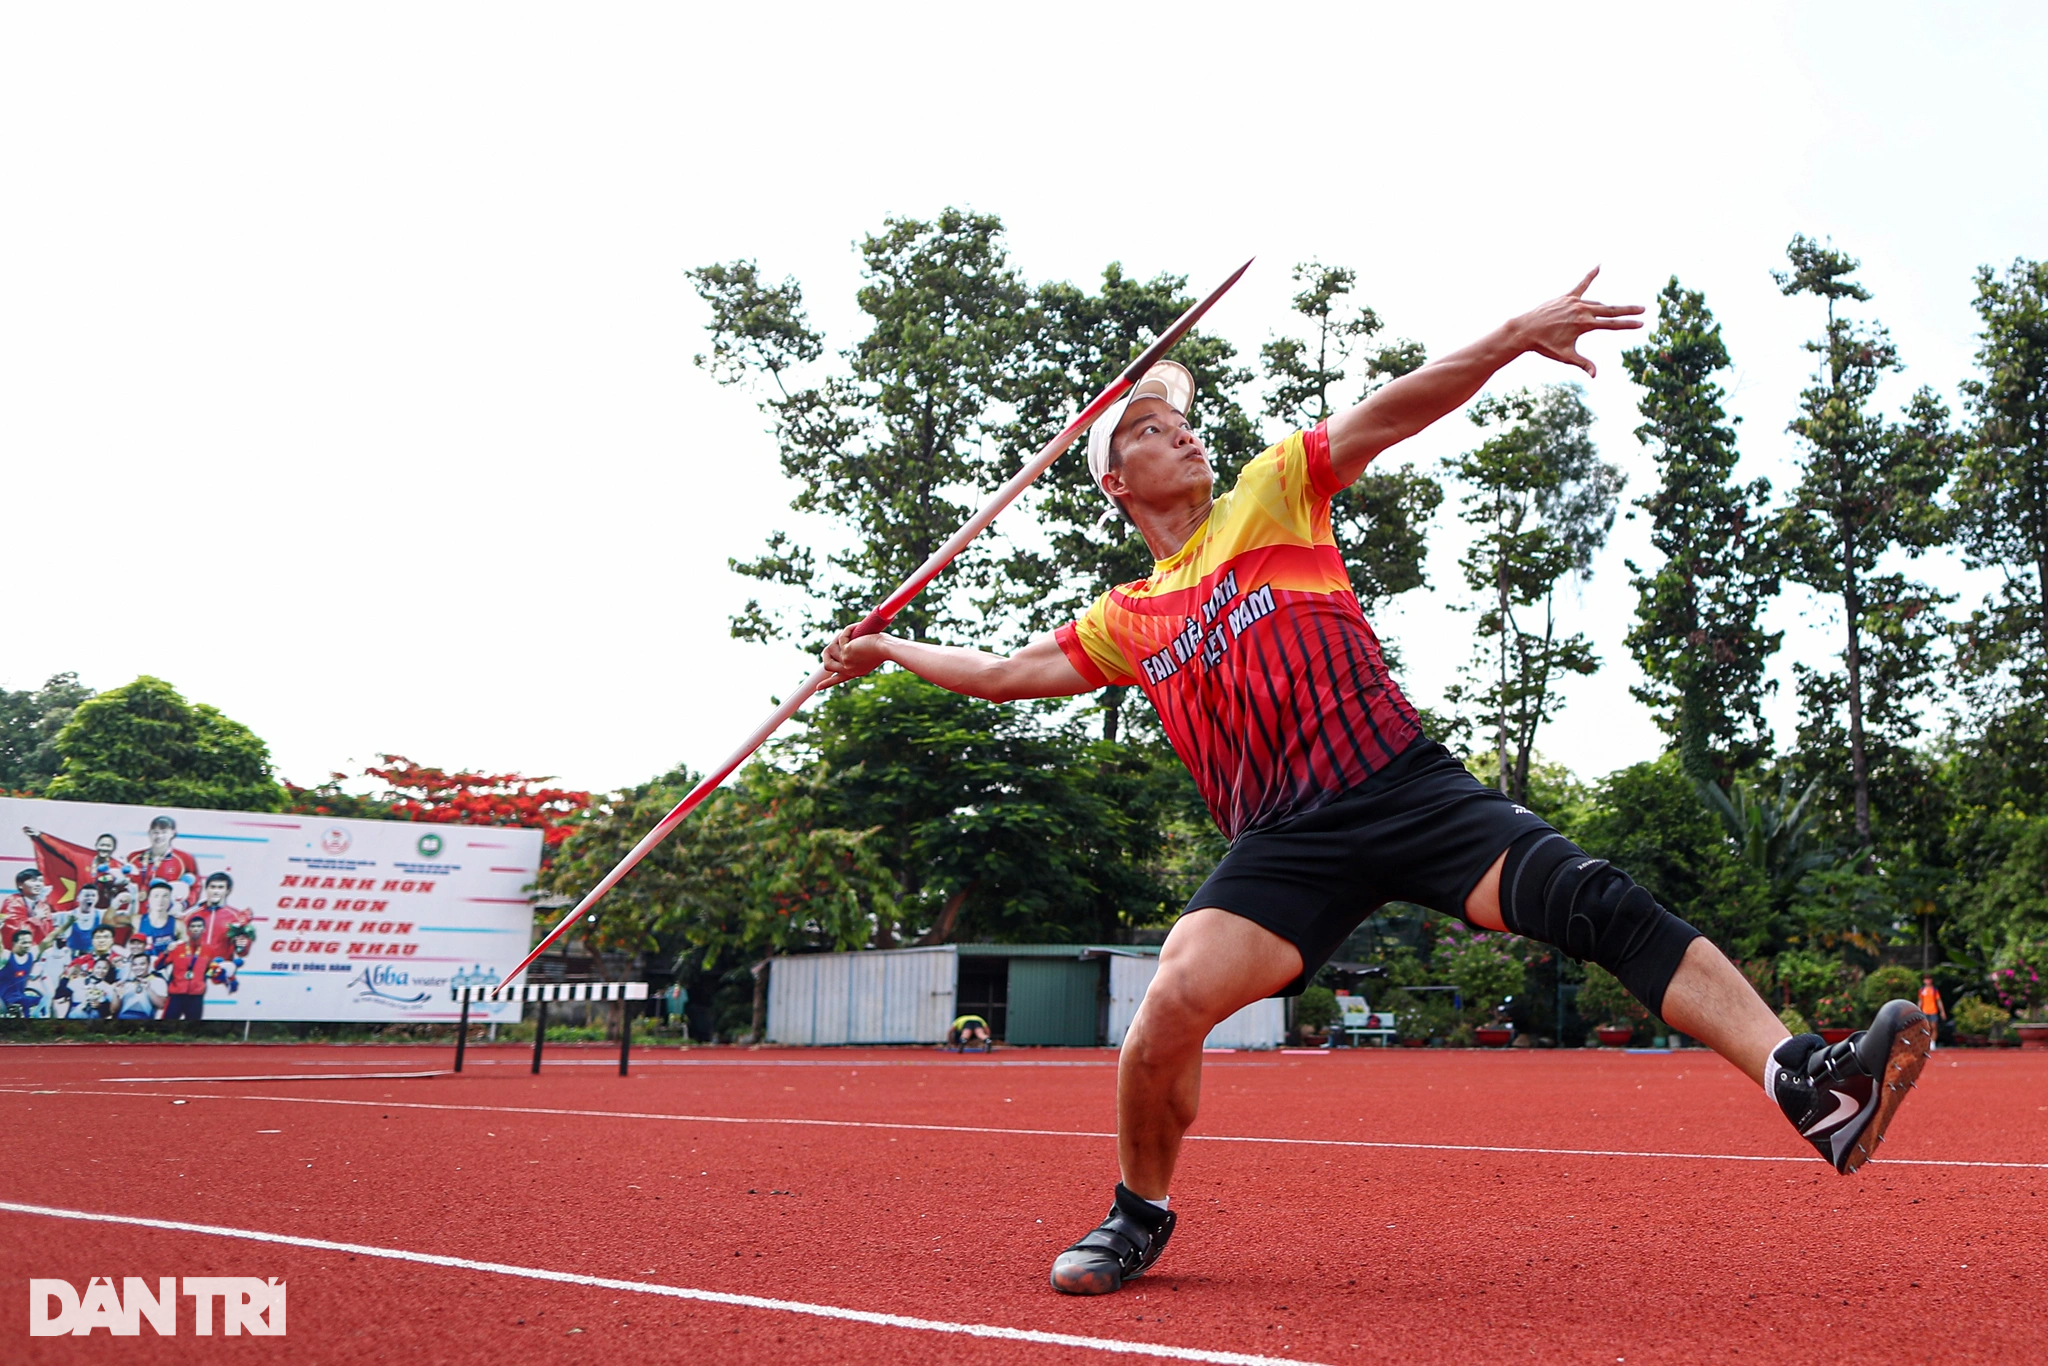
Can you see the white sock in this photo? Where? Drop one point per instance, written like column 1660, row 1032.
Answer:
column 1157, row 1204
column 1771, row 1070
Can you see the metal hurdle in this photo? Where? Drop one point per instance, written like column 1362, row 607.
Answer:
column 541, row 993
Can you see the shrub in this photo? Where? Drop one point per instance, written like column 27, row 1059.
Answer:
column 1483, row 965
column 1807, row 976
column 1837, row 1011
column 1793, row 1021
column 1316, row 1010
column 1889, row 983
column 1604, row 1000
column 1974, row 1015
column 2017, row 980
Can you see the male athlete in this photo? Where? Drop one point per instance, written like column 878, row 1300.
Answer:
column 1271, row 687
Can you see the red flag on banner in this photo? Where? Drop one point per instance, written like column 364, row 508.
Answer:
column 65, row 866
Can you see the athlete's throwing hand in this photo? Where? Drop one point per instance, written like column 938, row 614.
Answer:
column 849, row 657
column 1553, row 329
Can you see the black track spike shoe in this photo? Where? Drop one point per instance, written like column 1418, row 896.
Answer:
column 1841, row 1097
column 1122, row 1246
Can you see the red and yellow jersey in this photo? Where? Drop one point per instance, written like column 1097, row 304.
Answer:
column 1252, row 647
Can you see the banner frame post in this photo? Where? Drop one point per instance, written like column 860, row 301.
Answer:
column 540, row 1031
column 462, row 1032
column 625, row 1033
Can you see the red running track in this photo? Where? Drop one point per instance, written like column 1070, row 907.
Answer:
column 1632, row 1222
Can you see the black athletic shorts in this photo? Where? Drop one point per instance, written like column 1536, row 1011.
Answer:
column 1422, row 829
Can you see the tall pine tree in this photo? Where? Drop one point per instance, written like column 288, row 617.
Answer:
column 1381, row 521
column 2001, row 504
column 1696, row 635
column 1075, row 342
column 1541, row 501
column 1866, row 489
column 885, row 447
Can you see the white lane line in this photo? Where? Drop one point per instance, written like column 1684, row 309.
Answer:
column 1020, row 1133
column 299, row 1076
column 679, row 1292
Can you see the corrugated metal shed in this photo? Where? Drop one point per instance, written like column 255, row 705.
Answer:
column 1055, row 1001
column 1058, row 994
column 877, row 996
column 1262, row 1024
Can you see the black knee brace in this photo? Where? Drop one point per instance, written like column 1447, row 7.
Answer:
column 1553, row 892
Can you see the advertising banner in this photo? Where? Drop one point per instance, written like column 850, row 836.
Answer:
column 136, row 912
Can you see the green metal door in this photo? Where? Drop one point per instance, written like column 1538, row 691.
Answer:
column 1053, row 1001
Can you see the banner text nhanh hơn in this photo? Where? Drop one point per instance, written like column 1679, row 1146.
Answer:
column 138, row 912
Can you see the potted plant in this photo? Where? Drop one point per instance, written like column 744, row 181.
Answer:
column 1977, row 1020
column 1606, row 1002
column 1494, row 1035
column 1834, row 1017
column 2017, row 980
column 1314, row 1013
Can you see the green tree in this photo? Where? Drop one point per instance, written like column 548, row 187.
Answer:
column 29, row 722
column 1775, row 836
column 1380, row 523
column 2001, row 507
column 142, row 744
column 1648, row 818
column 1542, row 501
column 1866, row 488
column 1697, row 637
column 994, row 828
column 754, row 872
column 1076, row 342
column 885, row 447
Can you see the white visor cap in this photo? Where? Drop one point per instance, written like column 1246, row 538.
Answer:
column 1168, row 380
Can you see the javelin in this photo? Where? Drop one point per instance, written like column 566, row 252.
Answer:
column 878, row 620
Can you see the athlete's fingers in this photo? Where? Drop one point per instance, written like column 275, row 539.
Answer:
column 1580, row 290
column 1612, row 310
column 1612, row 324
column 1571, row 356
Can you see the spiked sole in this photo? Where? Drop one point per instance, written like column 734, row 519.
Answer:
column 1901, row 1073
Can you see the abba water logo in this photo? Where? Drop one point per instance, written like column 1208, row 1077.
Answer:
column 387, row 984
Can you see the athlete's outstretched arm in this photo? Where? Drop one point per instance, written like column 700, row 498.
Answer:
column 1445, row 385
column 1040, row 669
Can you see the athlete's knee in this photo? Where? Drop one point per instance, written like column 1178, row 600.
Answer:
column 1175, row 1014
column 1552, row 891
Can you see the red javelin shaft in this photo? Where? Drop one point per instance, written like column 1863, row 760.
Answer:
column 878, row 620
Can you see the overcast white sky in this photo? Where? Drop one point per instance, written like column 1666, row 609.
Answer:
column 345, row 352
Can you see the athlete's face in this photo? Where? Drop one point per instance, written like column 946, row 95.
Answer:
column 160, row 840
column 1160, row 460
column 159, row 902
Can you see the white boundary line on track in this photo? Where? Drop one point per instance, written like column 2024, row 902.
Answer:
column 1020, row 1133
column 678, row 1292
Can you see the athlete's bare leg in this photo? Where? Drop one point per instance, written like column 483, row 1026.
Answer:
column 1708, row 997
column 1212, row 965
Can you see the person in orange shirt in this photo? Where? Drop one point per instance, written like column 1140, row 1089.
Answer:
column 1931, row 1004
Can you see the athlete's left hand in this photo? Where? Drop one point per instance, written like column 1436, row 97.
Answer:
column 1553, row 329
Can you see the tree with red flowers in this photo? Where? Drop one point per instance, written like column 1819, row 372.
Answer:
column 417, row 792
